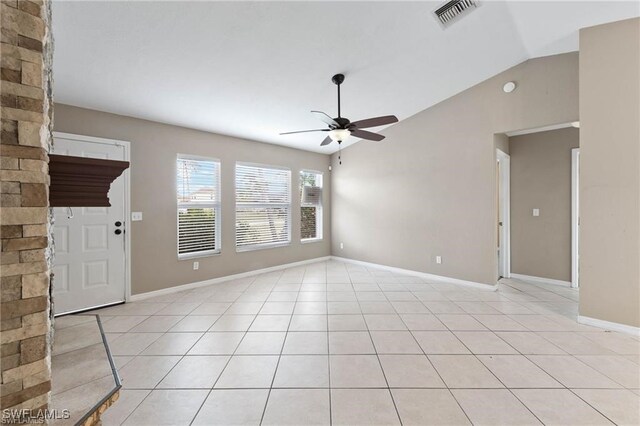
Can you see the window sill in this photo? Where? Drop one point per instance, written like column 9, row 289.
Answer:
column 261, row 247
column 199, row 255
column 310, row 240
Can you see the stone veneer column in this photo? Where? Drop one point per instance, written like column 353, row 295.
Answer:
column 25, row 87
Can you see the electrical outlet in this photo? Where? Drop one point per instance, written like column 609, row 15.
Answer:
column 536, row 212
column 438, row 260
column 341, row 246
column 196, row 265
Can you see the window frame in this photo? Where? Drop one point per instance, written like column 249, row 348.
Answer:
column 216, row 206
column 319, row 209
column 287, row 206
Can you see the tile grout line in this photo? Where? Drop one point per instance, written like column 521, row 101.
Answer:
column 380, row 362
column 284, row 342
column 489, row 370
column 472, row 354
column 428, row 359
column 193, row 419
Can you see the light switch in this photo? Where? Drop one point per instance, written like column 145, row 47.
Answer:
column 135, row 216
column 536, row 212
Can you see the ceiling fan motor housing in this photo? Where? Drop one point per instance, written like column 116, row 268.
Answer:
column 343, row 123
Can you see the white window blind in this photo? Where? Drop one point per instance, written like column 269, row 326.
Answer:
column 263, row 206
column 198, row 192
column 310, row 205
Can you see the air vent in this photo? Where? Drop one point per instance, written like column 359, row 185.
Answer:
column 454, row 9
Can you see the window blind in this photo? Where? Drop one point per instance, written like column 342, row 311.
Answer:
column 198, row 194
column 263, row 206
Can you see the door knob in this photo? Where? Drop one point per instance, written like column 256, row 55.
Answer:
column 118, row 223
column 118, row 231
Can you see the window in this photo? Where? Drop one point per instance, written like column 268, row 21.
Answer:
column 198, row 192
column 263, row 206
column 310, row 205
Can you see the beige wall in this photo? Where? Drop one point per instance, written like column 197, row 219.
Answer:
column 154, row 147
column 541, row 178
column 429, row 188
column 610, row 172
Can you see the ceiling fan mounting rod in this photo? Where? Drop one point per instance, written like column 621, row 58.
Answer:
column 337, row 80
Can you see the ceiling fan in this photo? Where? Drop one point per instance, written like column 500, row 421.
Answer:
column 340, row 128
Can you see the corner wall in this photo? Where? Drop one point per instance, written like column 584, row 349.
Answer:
column 154, row 147
column 610, row 172
column 429, row 188
column 25, row 325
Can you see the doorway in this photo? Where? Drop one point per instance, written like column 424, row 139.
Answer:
column 91, row 267
column 503, row 167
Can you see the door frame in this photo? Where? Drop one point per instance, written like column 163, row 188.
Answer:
column 127, row 199
column 575, row 217
column 504, row 202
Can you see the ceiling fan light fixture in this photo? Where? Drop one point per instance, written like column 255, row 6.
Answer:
column 339, row 135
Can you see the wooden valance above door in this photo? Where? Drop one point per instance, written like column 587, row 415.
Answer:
column 82, row 182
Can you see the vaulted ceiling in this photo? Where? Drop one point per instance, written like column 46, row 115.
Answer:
column 255, row 69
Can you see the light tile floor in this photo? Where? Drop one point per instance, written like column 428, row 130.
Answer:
column 337, row 343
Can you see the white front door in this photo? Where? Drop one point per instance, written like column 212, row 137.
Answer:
column 89, row 263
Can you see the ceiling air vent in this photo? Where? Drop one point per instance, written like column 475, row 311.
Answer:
column 454, row 9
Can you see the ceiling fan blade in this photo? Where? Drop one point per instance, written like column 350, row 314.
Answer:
column 376, row 121
column 305, row 131
column 363, row 134
column 323, row 116
column 326, row 141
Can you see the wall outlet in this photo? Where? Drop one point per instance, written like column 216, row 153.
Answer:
column 341, row 246
column 536, row 212
column 196, row 265
column 135, row 216
column 438, row 260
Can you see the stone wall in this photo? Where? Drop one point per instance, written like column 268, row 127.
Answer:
column 25, row 87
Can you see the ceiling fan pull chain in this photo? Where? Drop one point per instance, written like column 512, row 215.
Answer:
column 339, row 152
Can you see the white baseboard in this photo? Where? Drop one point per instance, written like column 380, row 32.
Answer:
column 473, row 284
column 607, row 325
column 198, row 284
column 540, row 280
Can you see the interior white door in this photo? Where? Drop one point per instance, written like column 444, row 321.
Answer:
column 504, row 220
column 575, row 217
column 89, row 264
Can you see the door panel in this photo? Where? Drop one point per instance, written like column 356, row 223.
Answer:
column 89, row 265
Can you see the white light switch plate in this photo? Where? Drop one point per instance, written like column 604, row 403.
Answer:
column 438, row 260
column 135, row 216
column 536, row 212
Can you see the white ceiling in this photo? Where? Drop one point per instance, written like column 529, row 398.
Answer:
column 254, row 69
